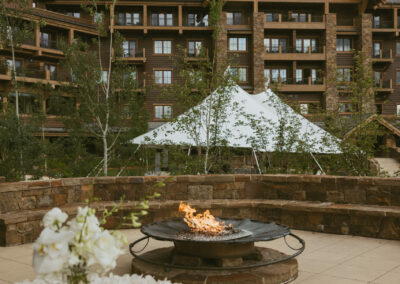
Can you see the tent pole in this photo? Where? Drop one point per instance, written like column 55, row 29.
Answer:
column 319, row 166
column 258, row 166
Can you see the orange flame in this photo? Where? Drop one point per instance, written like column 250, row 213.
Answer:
column 202, row 223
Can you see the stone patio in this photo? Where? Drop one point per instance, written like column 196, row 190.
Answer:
column 336, row 259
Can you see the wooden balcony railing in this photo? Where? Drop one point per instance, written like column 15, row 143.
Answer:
column 384, row 85
column 43, row 13
column 203, row 55
column 381, row 55
column 133, row 55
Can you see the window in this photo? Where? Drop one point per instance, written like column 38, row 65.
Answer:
column 34, row 5
column 346, row 107
column 377, row 21
column 129, row 19
column 306, row 45
column 98, row 18
column 74, row 14
column 194, row 47
column 299, row 17
column 309, row 108
column 162, row 19
column 343, row 44
column 234, row 18
column 377, row 78
column 240, row 73
column 27, row 103
column 45, row 39
column 104, row 76
column 398, row 48
column 275, row 75
column 377, row 49
column 163, row 77
column 237, row 44
column 344, row 74
column 272, row 17
column 398, row 77
column 18, row 65
column 272, row 44
column 162, row 112
column 52, row 70
column 162, row 47
column 130, row 75
column 197, row 20
column 398, row 110
column 129, row 47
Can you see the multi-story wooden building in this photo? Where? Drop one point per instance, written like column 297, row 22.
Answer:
column 294, row 42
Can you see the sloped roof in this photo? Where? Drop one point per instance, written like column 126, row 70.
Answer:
column 266, row 110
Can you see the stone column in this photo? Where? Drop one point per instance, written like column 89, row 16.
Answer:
column 258, row 52
column 331, row 96
column 222, row 45
column 365, row 45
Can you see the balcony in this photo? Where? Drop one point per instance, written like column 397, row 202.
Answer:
column 134, row 56
column 302, row 85
column 194, row 57
column 383, row 26
column 61, row 20
column 382, row 57
column 290, row 53
column 384, row 86
column 34, row 75
column 282, row 21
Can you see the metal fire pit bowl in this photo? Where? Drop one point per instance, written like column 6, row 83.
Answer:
column 240, row 243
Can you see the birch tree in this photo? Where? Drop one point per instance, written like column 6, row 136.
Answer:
column 110, row 110
column 204, row 87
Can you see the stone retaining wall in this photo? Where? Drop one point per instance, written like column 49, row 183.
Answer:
column 63, row 192
column 345, row 205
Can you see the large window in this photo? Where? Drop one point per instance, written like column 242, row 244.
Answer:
column 299, row 17
column 47, row 40
column 18, row 65
column 234, row 18
column 197, row 20
column 129, row 19
column 163, row 77
column 194, row 47
column 237, row 44
column 28, row 103
column 74, row 14
column 344, row 74
column 306, row 45
column 303, row 75
column 272, row 44
column 240, row 73
column 129, row 47
column 272, row 17
column 52, row 69
column 274, row 75
column 343, row 44
column 162, row 19
column 162, row 111
column 162, row 47
column 346, row 107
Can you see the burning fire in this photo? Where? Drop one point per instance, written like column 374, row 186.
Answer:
column 203, row 223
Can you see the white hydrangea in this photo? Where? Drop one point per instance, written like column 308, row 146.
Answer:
column 54, row 219
column 51, row 252
column 114, row 279
column 106, row 251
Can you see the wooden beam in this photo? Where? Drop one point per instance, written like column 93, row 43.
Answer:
column 71, row 36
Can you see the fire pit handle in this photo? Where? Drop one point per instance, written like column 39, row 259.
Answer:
column 256, row 265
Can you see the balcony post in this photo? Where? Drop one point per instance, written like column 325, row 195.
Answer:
column 8, row 70
column 71, row 36
column 144, row 52
column 280, row 18
column 37, row 34
column 380, row 83
column 396, row 24
column 309, row 18
column 145, row 17
column 280, row 49
column 309, row 81
column 180, row 18
column 391, row 83
column 390, row 54
column 47, row 74
column 134, row 52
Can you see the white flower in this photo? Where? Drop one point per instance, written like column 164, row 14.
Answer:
column 106, row 250
column 51, row 252
column 54, row 219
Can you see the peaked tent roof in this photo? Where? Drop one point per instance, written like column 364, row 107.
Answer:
column 265, row 107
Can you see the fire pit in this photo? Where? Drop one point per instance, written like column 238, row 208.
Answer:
column 215, row 247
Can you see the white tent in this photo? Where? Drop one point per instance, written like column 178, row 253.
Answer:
column 266, row 107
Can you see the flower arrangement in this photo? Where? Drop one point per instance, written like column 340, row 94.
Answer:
column 80, row 250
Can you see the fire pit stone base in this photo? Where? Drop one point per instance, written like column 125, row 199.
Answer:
column 283, row 272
